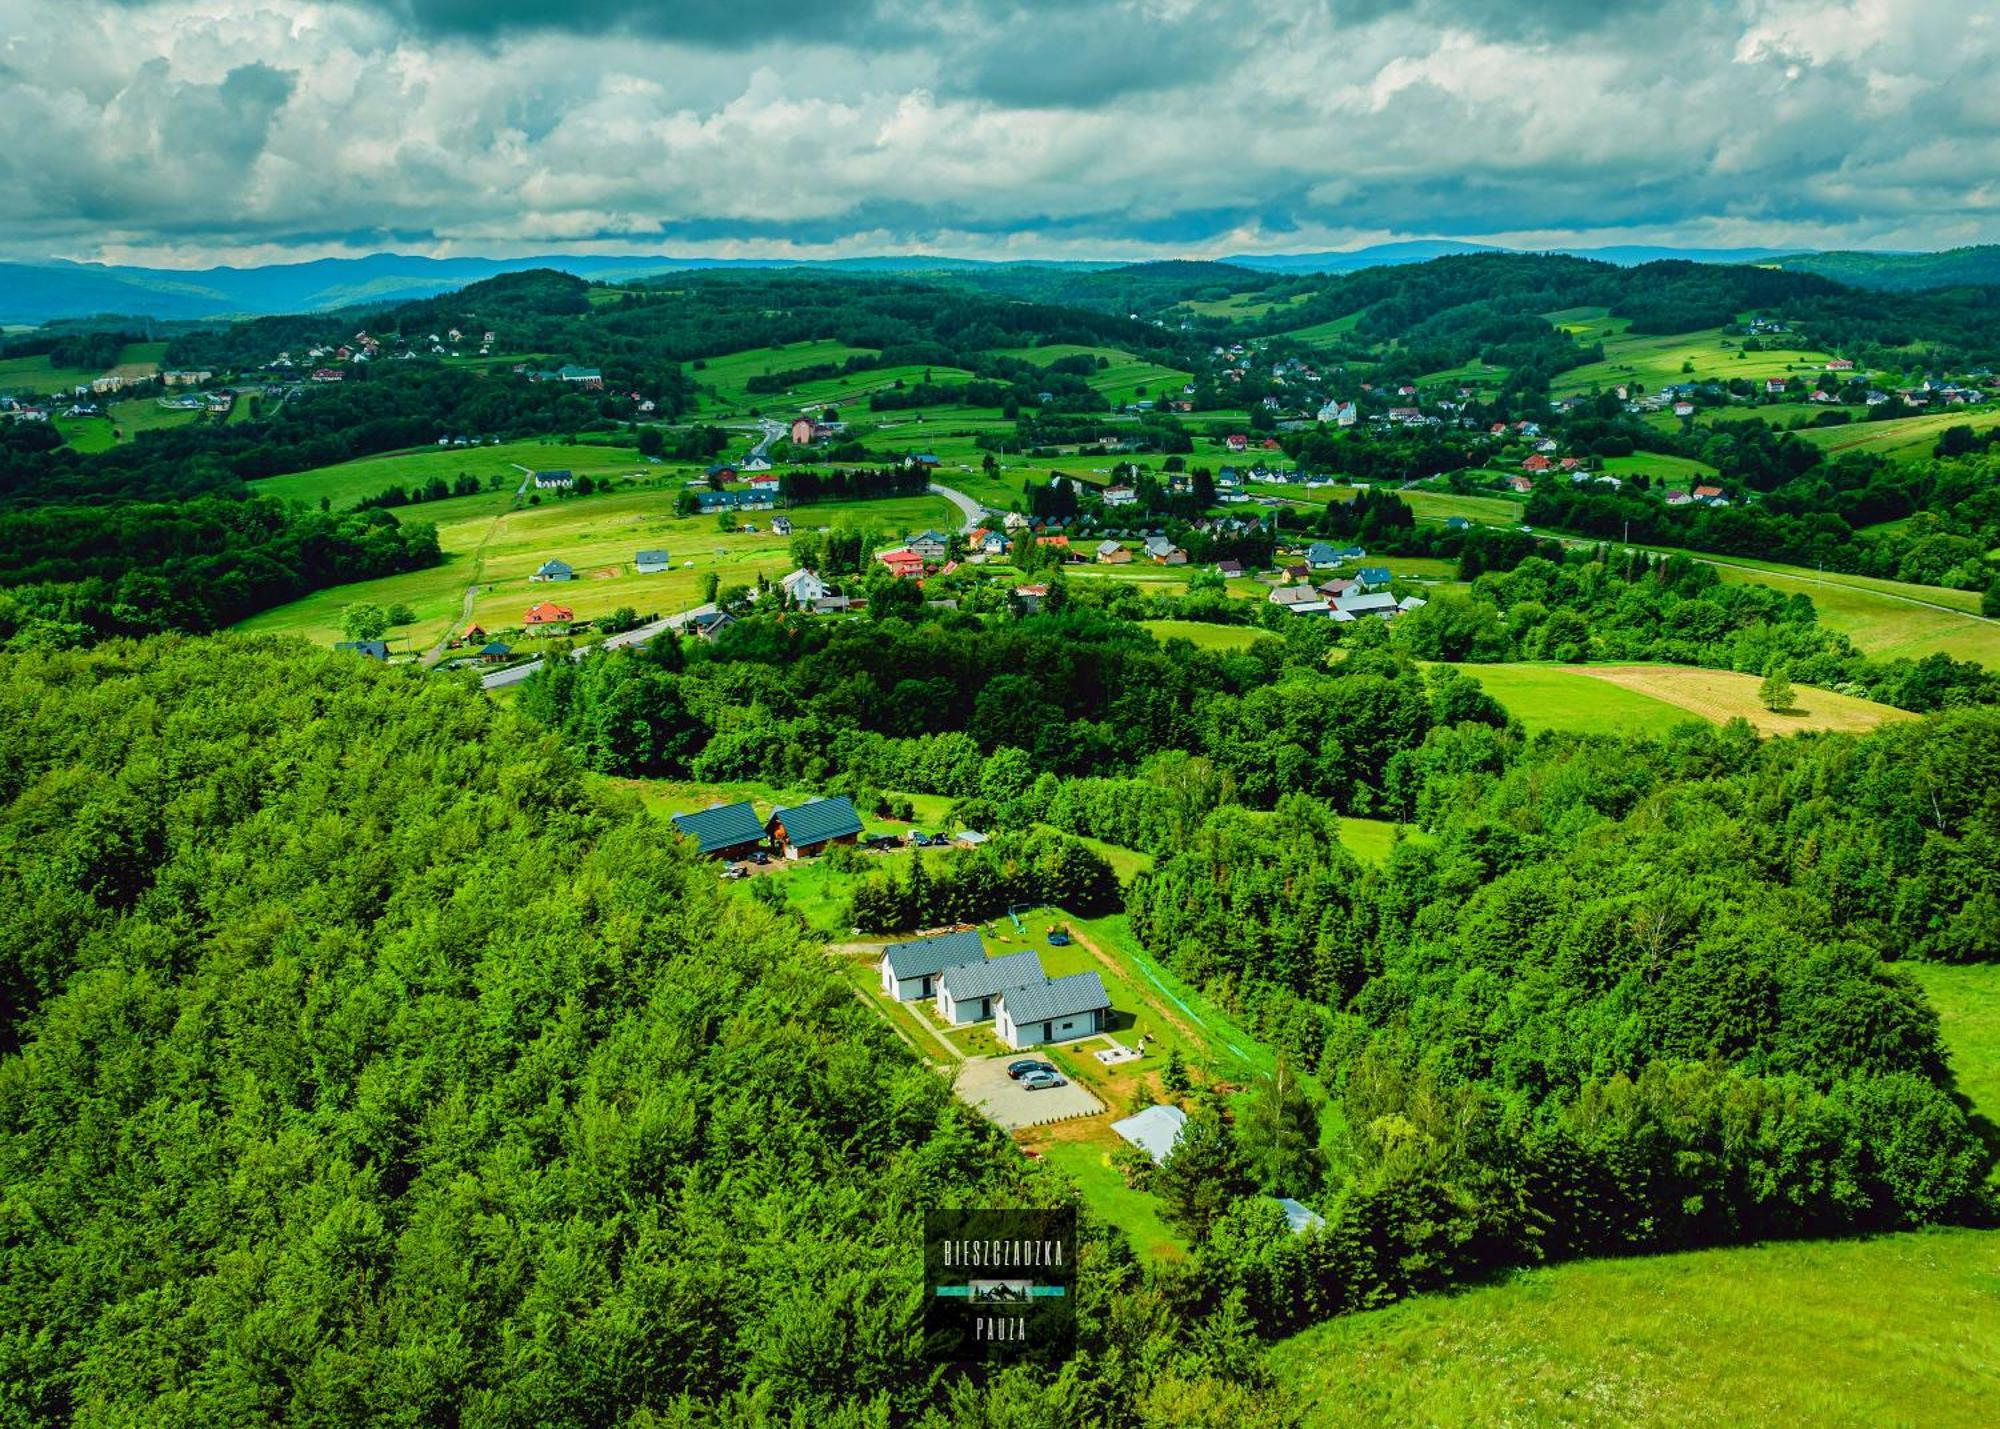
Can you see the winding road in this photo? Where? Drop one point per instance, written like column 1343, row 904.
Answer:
column 975, row 514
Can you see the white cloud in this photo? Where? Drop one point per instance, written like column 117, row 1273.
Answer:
column 229, row 128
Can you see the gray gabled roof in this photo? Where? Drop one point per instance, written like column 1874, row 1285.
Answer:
column 1062, row 997
column 653, row 558
column 1154, row 1130
column 926, row 957
column 721, row 826
column 818, row 820
column 994, row 975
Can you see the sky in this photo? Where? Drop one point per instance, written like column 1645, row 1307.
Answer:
column 188, row 132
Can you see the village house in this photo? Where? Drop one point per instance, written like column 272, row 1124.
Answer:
column 1229, row 570
column 1236, row 442
column 903, row 563
column 651, row 563
column 728, row 831
column 813, row 826
column 802, row 431
column 547, row 612
column 932, row 546
column 1059, row 1010
column 1031, row 596
column 1120, row 495
column 1293, row 595
column 781, row 525
column 553, row 570
column 553, row 481
column 910, row 970
column 1111, row 553
column 1322, row 557
column 968, row 992
column 803, row 587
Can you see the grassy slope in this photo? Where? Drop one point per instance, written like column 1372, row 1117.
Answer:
column 726, row 375
column 597, row 535
column 370, row 476
column 1121, row 381
column 1205, row 636
column 1904, row 439
column 1556, row 697
column 1657, row 361
column 1899, row 1330
column 1902, row 1330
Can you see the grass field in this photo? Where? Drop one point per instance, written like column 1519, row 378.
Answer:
column 1557, row 697
column 1967, row 999
column 1879, row 616
column 1723, row 695
column 1901, row 1330
column 350, row 481
column 1205, row 636
column 1126, row 379
column 723, row 378
column 1371, row 839
column 1659, row 361
column 34, row 374
column 1240, row 306
column 1482, row 510
column 123, row 421
column 1904, row 1330
column 1659, row 467
column 498, row 546
column 1323, row 332
column 1903, row 439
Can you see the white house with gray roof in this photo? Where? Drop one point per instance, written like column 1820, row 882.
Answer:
column 1059, row 1010
column 910, row 971
column 966, row 993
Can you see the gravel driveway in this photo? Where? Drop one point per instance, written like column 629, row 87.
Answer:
column 985, row 1084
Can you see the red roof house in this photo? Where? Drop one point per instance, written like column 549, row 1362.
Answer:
column 549, row 613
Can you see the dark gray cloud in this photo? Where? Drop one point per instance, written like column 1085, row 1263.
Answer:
column 1112, row 126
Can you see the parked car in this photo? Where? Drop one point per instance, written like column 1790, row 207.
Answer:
column 1027, row 1066
column 760, row 858
column 736, row 870
column 1041, row 1082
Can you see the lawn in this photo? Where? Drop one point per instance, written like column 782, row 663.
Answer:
column 1880, row 616
column 1900, row 1330
column 124, row 420
column 34, row 374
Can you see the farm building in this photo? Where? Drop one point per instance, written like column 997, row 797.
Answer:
column 547, row 612
column 1155, row 1131
column 910, row 970
column 967, row 993
column 810, row 827
column 1060, row 1010
column 651, row 563
column 1110, row 553
column 723, row 830
column 553, row 481
column 553, row 570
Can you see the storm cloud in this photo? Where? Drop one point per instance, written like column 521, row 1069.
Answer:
column 164, row 130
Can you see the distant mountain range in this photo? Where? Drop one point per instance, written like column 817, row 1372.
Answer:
column 34, row 293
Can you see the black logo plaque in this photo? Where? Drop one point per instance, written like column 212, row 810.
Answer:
column 1000, row 1286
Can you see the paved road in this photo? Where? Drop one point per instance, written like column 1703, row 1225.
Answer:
column 639, row 635
column 975, row 514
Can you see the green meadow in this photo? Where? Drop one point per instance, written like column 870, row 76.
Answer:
column 1125, row 379
column 351, row 481
column 1324, row 332
column 723, row 379
column 1901, row 1329
column 1555, row 697
column 1205, row 636
column 1481, row 510
column 1900, row 439
column 494, row 543
column 1659, row 468
column 1657, row 361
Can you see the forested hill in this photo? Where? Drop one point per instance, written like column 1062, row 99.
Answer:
column 362, row 1064
column 1904, row 272
column 643, row 327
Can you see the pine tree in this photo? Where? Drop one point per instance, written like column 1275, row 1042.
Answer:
column 1203, row 1176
